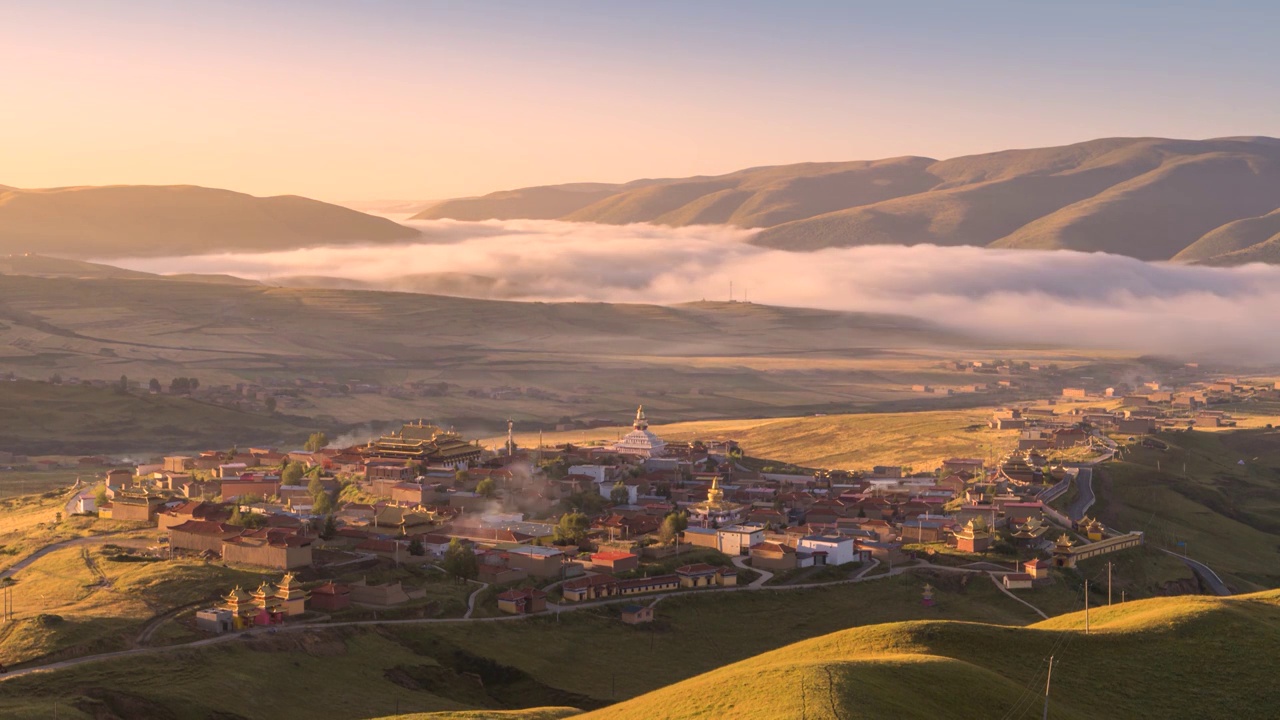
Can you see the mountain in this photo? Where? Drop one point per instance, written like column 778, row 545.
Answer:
column 535, row 203
column 1252, row 239
column 145, row 220
column 1148, row 198
column 1182, row 657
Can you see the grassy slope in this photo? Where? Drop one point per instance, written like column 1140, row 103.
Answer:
column 920, row 439
column 706, row 359
column 122, row 221
column 695, row 634
column 1234, row 237
column 1180, row 657
column 1225, row 512
column 104, row 604
column 37, row 417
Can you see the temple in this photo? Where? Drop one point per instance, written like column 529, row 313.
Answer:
column 268, row 605
column 640, row 441
column 424, row 444
column 973, row 537
column 716, row 511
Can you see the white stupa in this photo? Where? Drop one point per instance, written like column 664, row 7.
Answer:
column 640, row 441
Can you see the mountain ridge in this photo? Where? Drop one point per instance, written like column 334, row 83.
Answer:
column 1144, row 197
column 112, row 221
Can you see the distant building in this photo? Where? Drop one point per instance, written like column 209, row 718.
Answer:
column 716, row 511
column 637, row 614
column 640, row 441
column 423, row 444
column 522, row 601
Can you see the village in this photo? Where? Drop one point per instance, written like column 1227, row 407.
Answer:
column 356, row 531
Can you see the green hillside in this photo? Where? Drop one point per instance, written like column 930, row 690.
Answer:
column 41, row 418
column 144, row 220
column 1148, row 198
column 1186, row 657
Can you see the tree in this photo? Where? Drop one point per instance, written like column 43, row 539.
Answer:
column 487, row 488
column 459, row 561
column 100, row 497
column 237, row 517
column 154, row 385
column 461, row 477
column 271, row 404
column 316, row 442
column 619, row 495
column 329, row 529
column 315, row 487
column 323, row 504
column 292, row 473
column 672, row 525
column 416, row 547
column 572, row 528
column 122, row 387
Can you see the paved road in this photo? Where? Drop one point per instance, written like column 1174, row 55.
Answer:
column 765, row 576
column 1205, row 573
column 28, row 560
column 1006, row 591
column 862, row 576
column 1084, row 498
column 471, row 599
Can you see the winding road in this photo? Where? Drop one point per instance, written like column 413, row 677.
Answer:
column 862, row 576
column 1204, row 572
column 1084, row 498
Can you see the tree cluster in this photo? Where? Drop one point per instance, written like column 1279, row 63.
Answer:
column 459, row 561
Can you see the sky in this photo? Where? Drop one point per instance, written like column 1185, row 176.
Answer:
column 419, row 100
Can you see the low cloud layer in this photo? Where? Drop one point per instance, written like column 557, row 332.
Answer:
column 1019, row 296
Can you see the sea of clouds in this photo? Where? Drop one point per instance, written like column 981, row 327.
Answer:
column 1075, row 299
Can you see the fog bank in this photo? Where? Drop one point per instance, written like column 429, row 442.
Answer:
column 1067, row 298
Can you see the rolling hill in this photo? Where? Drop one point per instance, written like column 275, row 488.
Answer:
column 580, row 360
column 1183, row 657
column 138, row 220
column 1148, row 198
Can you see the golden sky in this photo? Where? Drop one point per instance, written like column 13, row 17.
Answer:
column 424, row 100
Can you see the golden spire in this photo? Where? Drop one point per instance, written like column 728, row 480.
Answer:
column 715, row 494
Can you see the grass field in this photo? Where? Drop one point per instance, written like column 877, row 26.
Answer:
column 917, row 439
column 1165, row 658
column 40, row 418
column 30, row 522
column 539, row 662
column 14, row 483
column 102, row 604
column 583, row 360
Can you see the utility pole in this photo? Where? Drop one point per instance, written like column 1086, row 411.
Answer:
column 1086, row 607
column 1108, row 583
column 1048, row 679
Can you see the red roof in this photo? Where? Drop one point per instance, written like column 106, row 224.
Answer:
column 587, row 581
column 612, row 556
column 207, row 527
column 331, row 588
